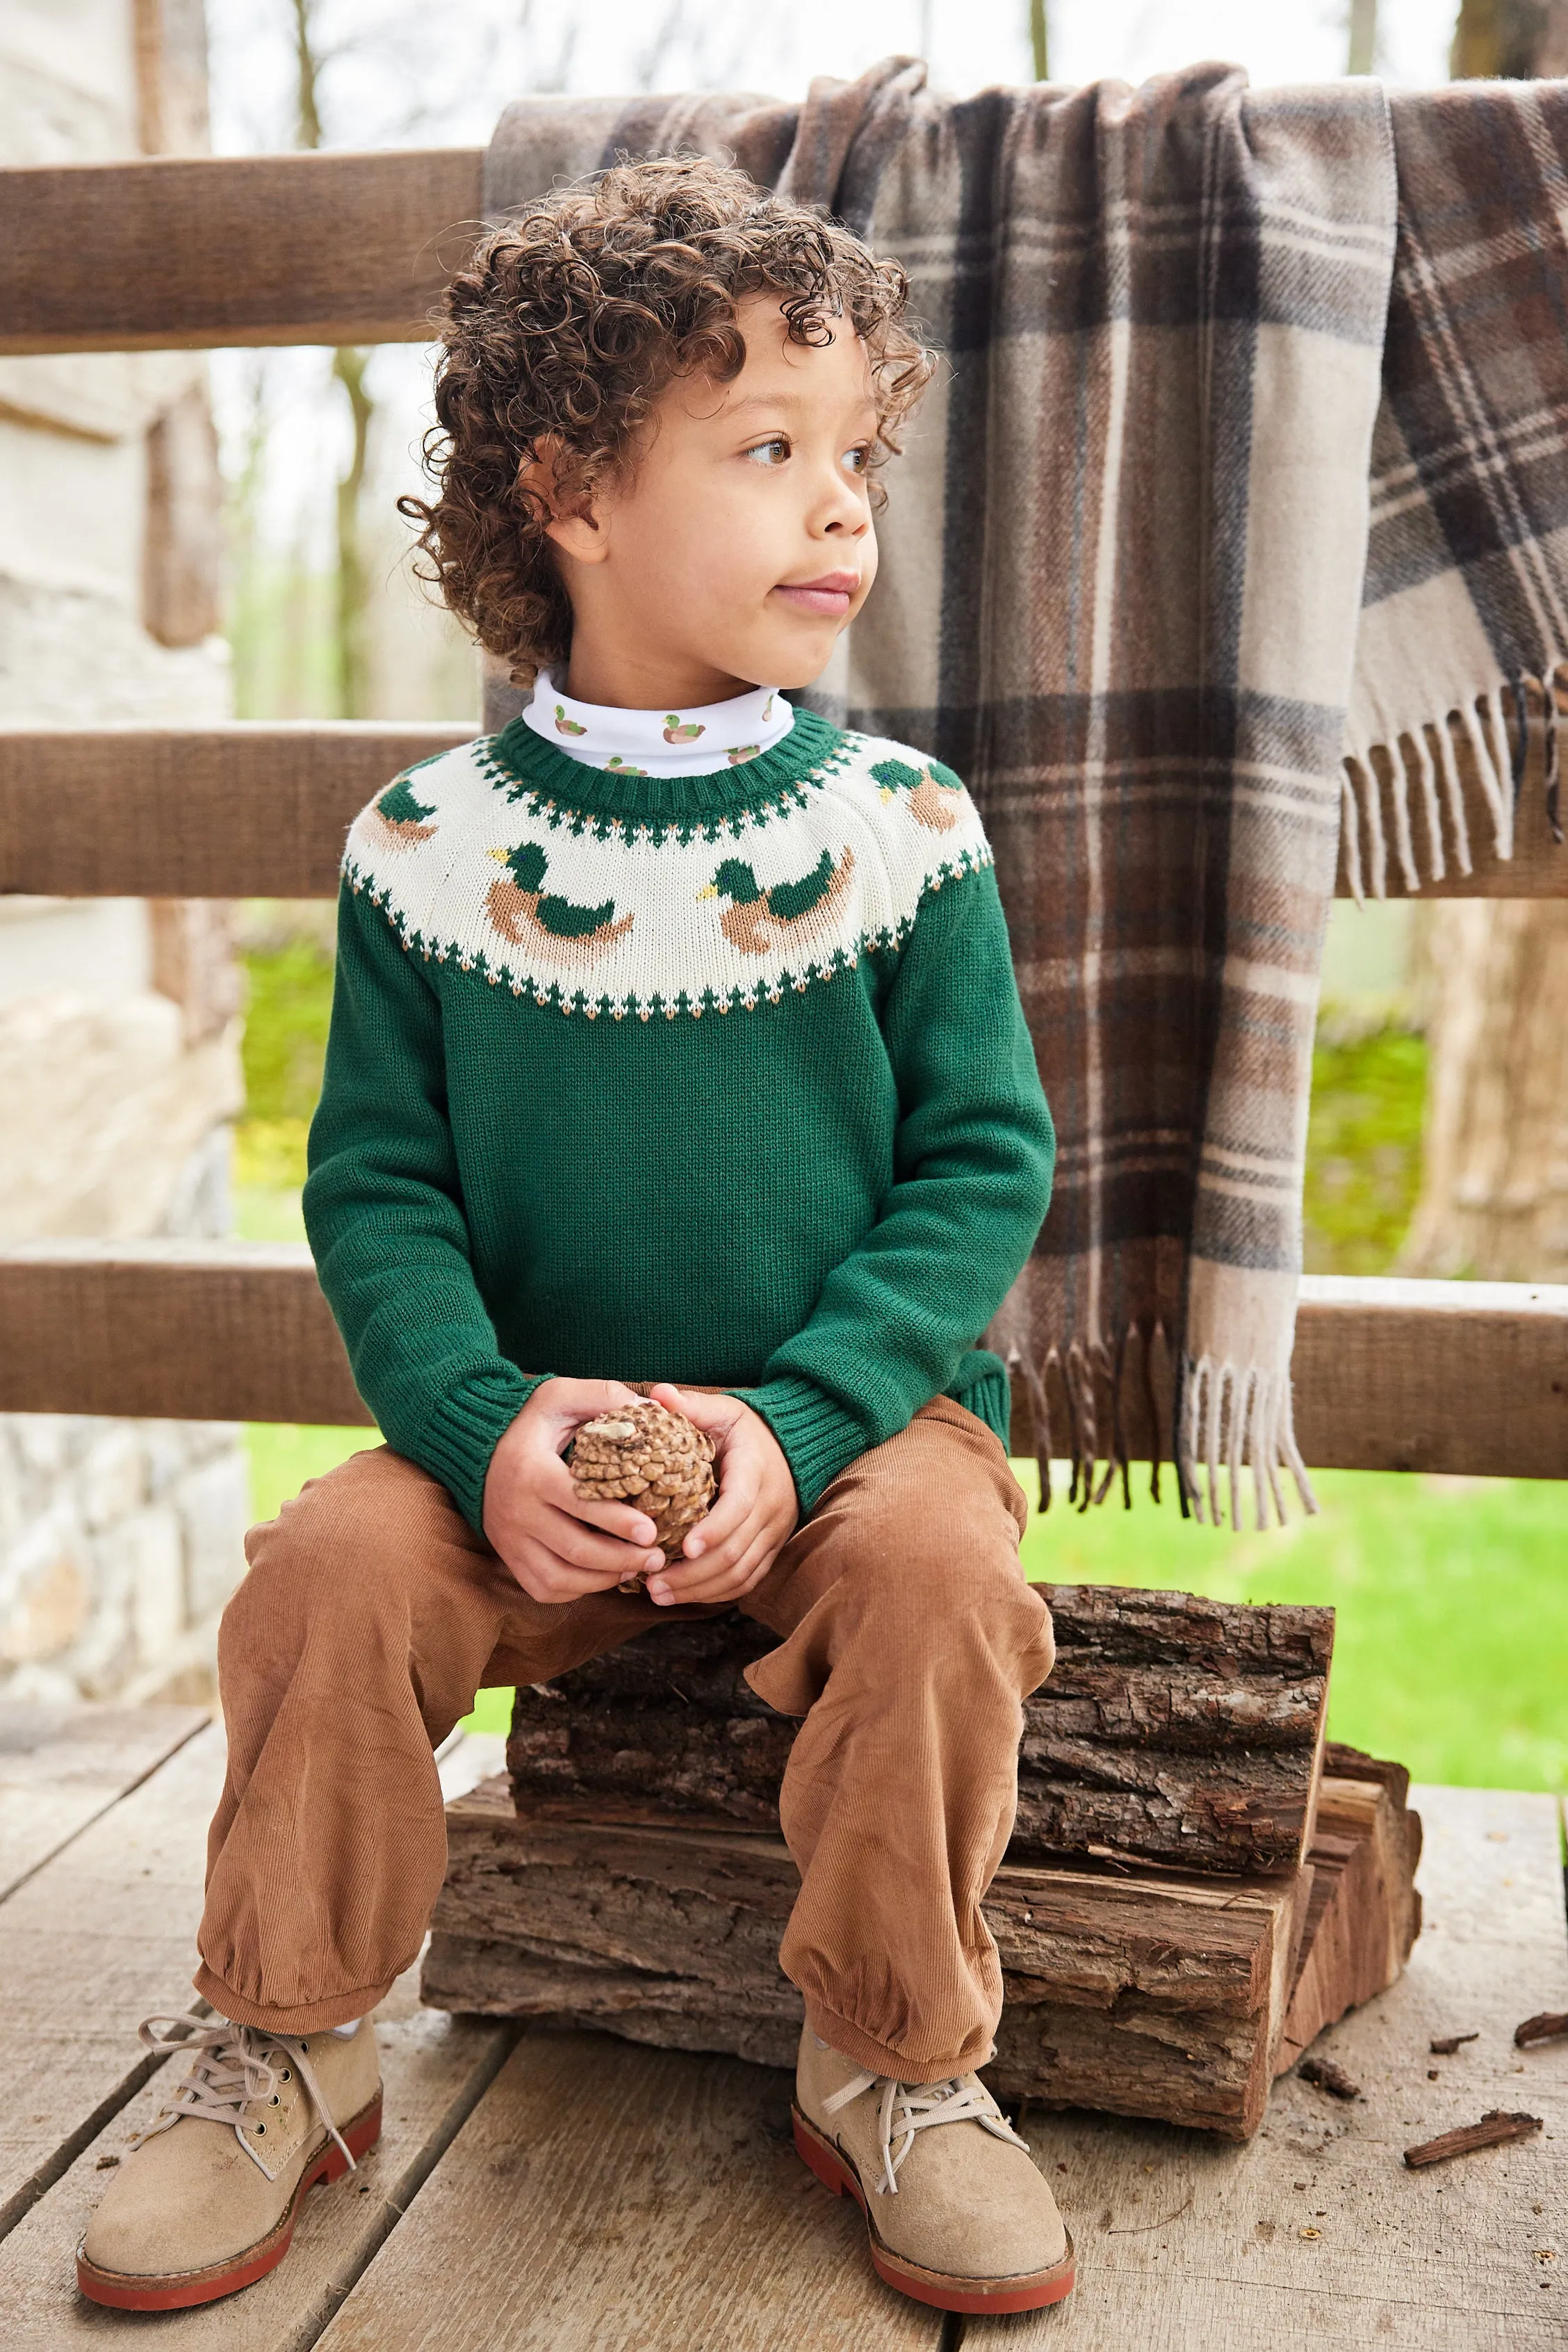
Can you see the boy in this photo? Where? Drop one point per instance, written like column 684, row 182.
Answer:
column 674, row 1042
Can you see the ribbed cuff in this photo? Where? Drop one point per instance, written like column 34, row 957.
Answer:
column 462, row 1430
column 991, row 1399
column 819, row 1438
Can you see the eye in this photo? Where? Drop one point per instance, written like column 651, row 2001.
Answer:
column 858, row 459
column 772, row 452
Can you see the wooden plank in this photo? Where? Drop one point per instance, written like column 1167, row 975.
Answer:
column 255, row 810
column 100, row 1938
column 1467, row 1377
column 603, row 2199
column 60, row 1767
column 1184, row 2240
column 250, row 811
column 434, row 2070
column 187, row 252
column 212, row 1330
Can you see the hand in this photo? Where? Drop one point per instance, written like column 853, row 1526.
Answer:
column 733, row 1548
column 558, row 1548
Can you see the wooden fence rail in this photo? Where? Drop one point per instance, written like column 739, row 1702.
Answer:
column 183, row 253
column 259, row 811
column 1459, row 1376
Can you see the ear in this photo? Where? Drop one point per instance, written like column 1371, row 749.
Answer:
column 577, row 528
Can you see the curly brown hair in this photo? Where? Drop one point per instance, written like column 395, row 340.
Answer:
column 571, row 320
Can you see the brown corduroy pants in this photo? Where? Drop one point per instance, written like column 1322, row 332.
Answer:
column 372, row 1614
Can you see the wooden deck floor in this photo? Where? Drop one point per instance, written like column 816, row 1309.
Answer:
column 543, row 2193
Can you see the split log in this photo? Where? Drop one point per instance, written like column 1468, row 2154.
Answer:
column 1143, row 1996
column 1174, row 1731
column 1364, row 1913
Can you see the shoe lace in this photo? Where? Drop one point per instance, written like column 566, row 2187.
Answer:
column 232, row 2066
column 910, row 2107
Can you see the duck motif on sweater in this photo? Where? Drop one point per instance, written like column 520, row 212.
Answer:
column 625, row 894
column 757, row 920
column 935, row 795
column 401, row 817
column 553, row 927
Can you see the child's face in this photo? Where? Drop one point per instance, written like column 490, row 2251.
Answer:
column 740, row 542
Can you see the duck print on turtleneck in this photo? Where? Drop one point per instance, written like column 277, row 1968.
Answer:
column 660, row 742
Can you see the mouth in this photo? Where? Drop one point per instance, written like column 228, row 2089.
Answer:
column 831, row 595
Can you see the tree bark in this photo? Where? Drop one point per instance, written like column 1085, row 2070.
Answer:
column 1173, row 1730
column 1494, row 1189
column 1140, row 1994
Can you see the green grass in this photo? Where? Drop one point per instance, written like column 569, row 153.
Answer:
column 1364, row 1151
column 289, row 1001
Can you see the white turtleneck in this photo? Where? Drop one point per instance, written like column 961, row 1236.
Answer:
column 660, row 742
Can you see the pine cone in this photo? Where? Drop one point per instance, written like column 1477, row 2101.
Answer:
column 657, row 1461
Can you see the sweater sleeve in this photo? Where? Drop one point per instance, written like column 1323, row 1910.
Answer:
column 383, row 1209
column 973, row 1162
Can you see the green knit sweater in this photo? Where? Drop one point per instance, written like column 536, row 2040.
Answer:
column 717, row 1078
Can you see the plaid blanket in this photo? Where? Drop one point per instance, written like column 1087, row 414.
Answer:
column 1465, row 610
column 1122, row 566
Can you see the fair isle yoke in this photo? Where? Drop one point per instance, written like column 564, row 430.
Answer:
column 600, row 893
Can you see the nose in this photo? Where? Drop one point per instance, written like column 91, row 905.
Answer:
column 841, row 513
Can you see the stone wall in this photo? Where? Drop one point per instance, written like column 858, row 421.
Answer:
column 119, row 1035
column 119, row 1547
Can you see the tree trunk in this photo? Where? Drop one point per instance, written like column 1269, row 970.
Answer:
column 352, row 598
column 1519, row 40
column 1494, row 1192
column 1494, row 1186
column 1039, row 39
column 1362, row 30
column 1173, row 1730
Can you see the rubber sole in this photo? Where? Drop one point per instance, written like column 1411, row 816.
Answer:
column 122, row 2290
column 973, row 2296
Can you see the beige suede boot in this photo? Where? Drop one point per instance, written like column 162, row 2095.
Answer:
column 958, row 2217
column 207, row 2200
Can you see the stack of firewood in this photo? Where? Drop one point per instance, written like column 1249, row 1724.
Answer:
column 1196, row 1885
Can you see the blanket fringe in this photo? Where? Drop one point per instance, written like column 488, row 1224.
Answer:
column 1232, row 1417
column 1229, row 1419
column 1091, row 1373
column 1478, row 749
